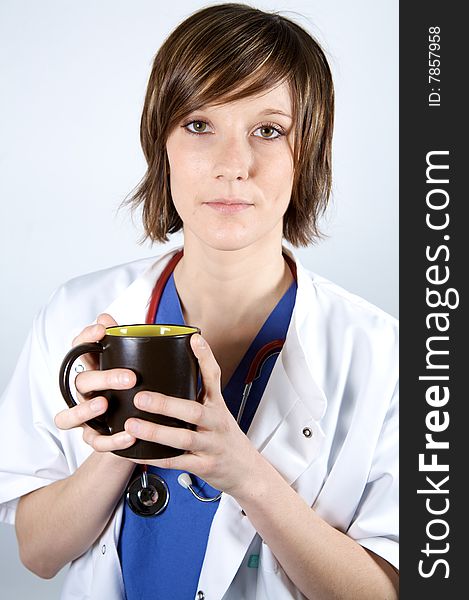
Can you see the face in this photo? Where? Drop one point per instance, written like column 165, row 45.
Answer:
column 231, row 170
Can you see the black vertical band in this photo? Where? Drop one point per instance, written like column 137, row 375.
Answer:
column 433, row 308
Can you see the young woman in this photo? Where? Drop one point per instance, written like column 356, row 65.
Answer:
column 236, row 130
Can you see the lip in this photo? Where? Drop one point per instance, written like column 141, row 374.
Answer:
column 229, row 205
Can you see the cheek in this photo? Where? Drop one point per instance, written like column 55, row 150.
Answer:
column 184, row 154
column 186, row 167
column 277, row 176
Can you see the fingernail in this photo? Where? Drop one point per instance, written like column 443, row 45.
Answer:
column 96, row 405
column 126, row 438
column 202, row 342
column 143, row 400
column 123, row 378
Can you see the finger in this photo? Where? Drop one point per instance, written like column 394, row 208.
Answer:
column 110, row 379
column 209, row 368
column 79, row 414
column 178, row 408
column 175, row 437
column 93, row 333
column 107, row 443
column 106, row 320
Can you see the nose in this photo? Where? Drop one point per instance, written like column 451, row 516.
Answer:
column 232, row 159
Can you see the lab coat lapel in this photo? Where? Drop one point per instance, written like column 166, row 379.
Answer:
column 285, row 430
column 131, row 306
column 295, row 435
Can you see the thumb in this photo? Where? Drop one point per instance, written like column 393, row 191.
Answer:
column 106, row 320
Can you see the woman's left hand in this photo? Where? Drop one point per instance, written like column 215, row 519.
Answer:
column 217, row 450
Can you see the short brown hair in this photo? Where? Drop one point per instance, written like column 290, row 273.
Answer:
column 224, row 53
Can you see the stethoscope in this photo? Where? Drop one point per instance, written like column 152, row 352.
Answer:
column 147, row 494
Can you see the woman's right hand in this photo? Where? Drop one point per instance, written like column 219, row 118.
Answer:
column 88, row 383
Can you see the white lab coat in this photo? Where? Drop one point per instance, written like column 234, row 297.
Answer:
column 336, row 376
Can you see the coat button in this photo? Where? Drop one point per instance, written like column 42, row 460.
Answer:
column 307, row 432
column 103, row 549
column 200, row 595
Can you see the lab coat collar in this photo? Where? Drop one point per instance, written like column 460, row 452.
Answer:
column 131, row 305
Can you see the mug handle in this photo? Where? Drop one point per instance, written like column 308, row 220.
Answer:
column 64, row 381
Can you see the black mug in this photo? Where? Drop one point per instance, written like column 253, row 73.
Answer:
column 163, row 361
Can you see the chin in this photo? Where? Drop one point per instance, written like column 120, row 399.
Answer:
column 227, row 245
column 228, row 240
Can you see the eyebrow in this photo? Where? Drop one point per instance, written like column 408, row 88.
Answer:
column 275, row 111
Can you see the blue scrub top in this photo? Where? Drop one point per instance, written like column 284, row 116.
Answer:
column 162, row 556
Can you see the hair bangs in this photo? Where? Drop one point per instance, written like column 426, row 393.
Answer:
column 231, row 62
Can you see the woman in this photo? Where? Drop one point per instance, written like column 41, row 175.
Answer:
column 236, row 130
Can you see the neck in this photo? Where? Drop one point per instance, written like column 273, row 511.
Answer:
column 239, row 283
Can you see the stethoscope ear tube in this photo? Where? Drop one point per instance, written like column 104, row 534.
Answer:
column 185, row 481
column 64, row 380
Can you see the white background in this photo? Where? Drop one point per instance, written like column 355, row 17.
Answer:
column 73, row 82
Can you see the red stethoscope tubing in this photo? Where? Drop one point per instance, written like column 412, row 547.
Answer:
column 265, row 352
column 268, row 350
column 159, row 287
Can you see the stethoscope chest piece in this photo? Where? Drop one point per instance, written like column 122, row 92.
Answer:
column 148, row 496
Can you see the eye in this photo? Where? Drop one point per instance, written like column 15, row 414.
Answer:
column 196, row 127
column 269, row 132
